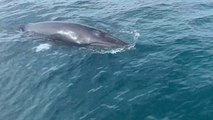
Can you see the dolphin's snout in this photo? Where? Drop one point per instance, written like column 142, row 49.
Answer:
column 115, row 43
column 109, row 45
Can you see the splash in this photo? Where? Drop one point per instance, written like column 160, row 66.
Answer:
column 134, row 33
column 114, row 51
column 42, row 47
column 131, row 45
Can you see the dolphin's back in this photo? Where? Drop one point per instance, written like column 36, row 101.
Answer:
column 49, row 28
column 68, row 32
column 74, row 34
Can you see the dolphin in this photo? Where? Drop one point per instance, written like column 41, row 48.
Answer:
column 74, row 34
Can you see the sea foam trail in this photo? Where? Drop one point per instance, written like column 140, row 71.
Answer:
column 42, row 47
column 114, row 51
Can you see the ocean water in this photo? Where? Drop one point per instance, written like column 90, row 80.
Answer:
column 168, row 75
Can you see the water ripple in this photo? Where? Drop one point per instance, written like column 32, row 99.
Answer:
column 166, row 73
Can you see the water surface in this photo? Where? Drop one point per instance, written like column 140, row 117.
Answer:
column 167, row 76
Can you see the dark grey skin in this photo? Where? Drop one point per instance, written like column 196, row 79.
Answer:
column 75, row 34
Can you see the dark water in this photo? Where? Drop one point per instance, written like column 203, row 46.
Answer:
column 167, row 76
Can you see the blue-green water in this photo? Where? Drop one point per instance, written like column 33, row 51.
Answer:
column 168, row 75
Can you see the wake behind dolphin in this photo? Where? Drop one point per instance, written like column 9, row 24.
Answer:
column 75, row 34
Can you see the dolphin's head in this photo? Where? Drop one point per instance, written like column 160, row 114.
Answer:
column 103, row 40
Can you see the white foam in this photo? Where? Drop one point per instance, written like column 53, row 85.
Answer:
column 118, row 97
column 135, row 34
column 117, row 50
column 95, row 89
column 89, row 113
column 42, row 47
column 109, row 106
